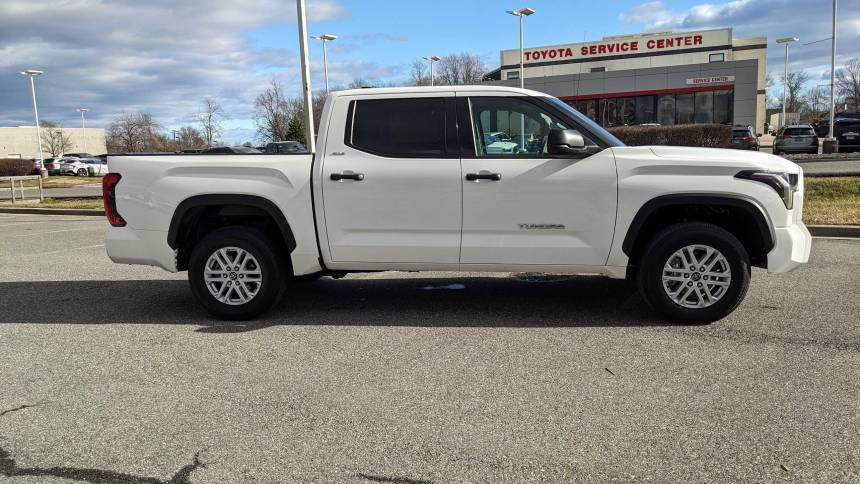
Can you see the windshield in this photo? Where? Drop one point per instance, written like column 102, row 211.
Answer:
column 586, row 122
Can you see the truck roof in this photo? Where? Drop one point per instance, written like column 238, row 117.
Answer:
column 439, row 89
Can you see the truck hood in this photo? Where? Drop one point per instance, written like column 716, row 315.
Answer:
column 719, row 156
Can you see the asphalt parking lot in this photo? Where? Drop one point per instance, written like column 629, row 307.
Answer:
column 112, row 374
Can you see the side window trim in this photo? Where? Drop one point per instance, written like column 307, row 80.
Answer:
column 547, row 108
column 449, row 135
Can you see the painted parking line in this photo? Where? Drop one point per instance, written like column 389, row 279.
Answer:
column 35, row 233
column 64, row 250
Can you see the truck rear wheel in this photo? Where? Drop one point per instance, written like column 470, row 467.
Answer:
column 694, row 273
column 235, row 273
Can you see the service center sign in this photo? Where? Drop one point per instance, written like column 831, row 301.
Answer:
column 695, row 81
column 619, row 46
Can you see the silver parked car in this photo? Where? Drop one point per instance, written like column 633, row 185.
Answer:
column 83, row 166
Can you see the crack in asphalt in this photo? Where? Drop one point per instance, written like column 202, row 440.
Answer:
column 392, row 480
column 9, row 468
column 20, row 407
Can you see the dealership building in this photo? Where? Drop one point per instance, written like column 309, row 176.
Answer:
column 23, row 142
column 704, row 76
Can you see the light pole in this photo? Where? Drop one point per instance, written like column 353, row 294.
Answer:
column 432, row 59
column 83, row 127
column 831, row 142
column 786, row 41
column 325, row 38
column 307, row 94
column 32, row 73
column 521, row 13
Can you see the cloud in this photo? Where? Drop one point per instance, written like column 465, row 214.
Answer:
column 161, row 56
column 810, row 21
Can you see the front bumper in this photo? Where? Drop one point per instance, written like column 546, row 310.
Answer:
column 125, row 245
column 791, row 248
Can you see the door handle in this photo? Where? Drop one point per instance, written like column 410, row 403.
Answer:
column 483, row 176
column 347, row 175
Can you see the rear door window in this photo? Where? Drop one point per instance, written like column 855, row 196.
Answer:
column 402, row 127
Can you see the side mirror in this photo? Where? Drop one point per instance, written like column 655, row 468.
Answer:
column 565, row 142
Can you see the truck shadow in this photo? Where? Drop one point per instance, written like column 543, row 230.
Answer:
column 524, row 301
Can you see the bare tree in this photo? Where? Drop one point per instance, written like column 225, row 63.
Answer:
column 848, row 83
column 817, row 102
column 54, row 139
column 210, row 116
column 272, row 113
column 458, row 69
column 134, row 132
column 419, row 75
column 794, row 87
column 190, row 138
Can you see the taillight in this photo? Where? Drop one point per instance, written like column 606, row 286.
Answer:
column 109, row 183
column 750, row 138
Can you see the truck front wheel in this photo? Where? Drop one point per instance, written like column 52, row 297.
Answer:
column 235, row 273
column 694, row 273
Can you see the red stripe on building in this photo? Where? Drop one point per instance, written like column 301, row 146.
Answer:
column 678, row 90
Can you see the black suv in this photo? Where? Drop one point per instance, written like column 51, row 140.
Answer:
column 795, row 138
column 744, row 138
column 847, row 131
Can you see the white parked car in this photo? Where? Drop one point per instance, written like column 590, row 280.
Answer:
column 83, row 166
column 403, row 180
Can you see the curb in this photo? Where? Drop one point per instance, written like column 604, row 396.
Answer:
column 53, row 211
column 830, row 174
column 834, row 230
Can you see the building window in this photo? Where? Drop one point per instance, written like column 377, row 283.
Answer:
column 723, row 106
column 645, row 112
column 683, row 108
column 666, row 109
column 704, row 111
column 717, row 57
column 598, row 69
column 513, row 74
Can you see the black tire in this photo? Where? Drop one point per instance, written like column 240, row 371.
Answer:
column 256, row 244
column 83, row 172
column 676, row 237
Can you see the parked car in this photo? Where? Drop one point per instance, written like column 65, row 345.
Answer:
column 499, row 142
column 285, row 147
column 83, row 166
column 396, row 185
column 847, row 131
column 234, row 150
column 52, row 165
column 744, row 138
column 795, row 138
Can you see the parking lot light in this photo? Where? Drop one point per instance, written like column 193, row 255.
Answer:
column 32, row 74
column 324, row 38
column 432, row 59
column 521, row 13
column 83, row 127
column 786, row 41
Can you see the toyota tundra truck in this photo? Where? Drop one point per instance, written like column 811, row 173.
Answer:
column 404, row 179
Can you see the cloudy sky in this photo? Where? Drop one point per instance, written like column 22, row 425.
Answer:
column 164, row 56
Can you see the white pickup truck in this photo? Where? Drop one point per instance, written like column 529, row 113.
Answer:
column 403, row 180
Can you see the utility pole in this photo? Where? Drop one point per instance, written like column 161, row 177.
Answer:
column 306, row 76
column 32, row 73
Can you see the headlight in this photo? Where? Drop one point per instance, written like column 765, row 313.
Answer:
column 785, row 184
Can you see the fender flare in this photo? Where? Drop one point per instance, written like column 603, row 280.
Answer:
column 200, row 201
column 750, row 206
